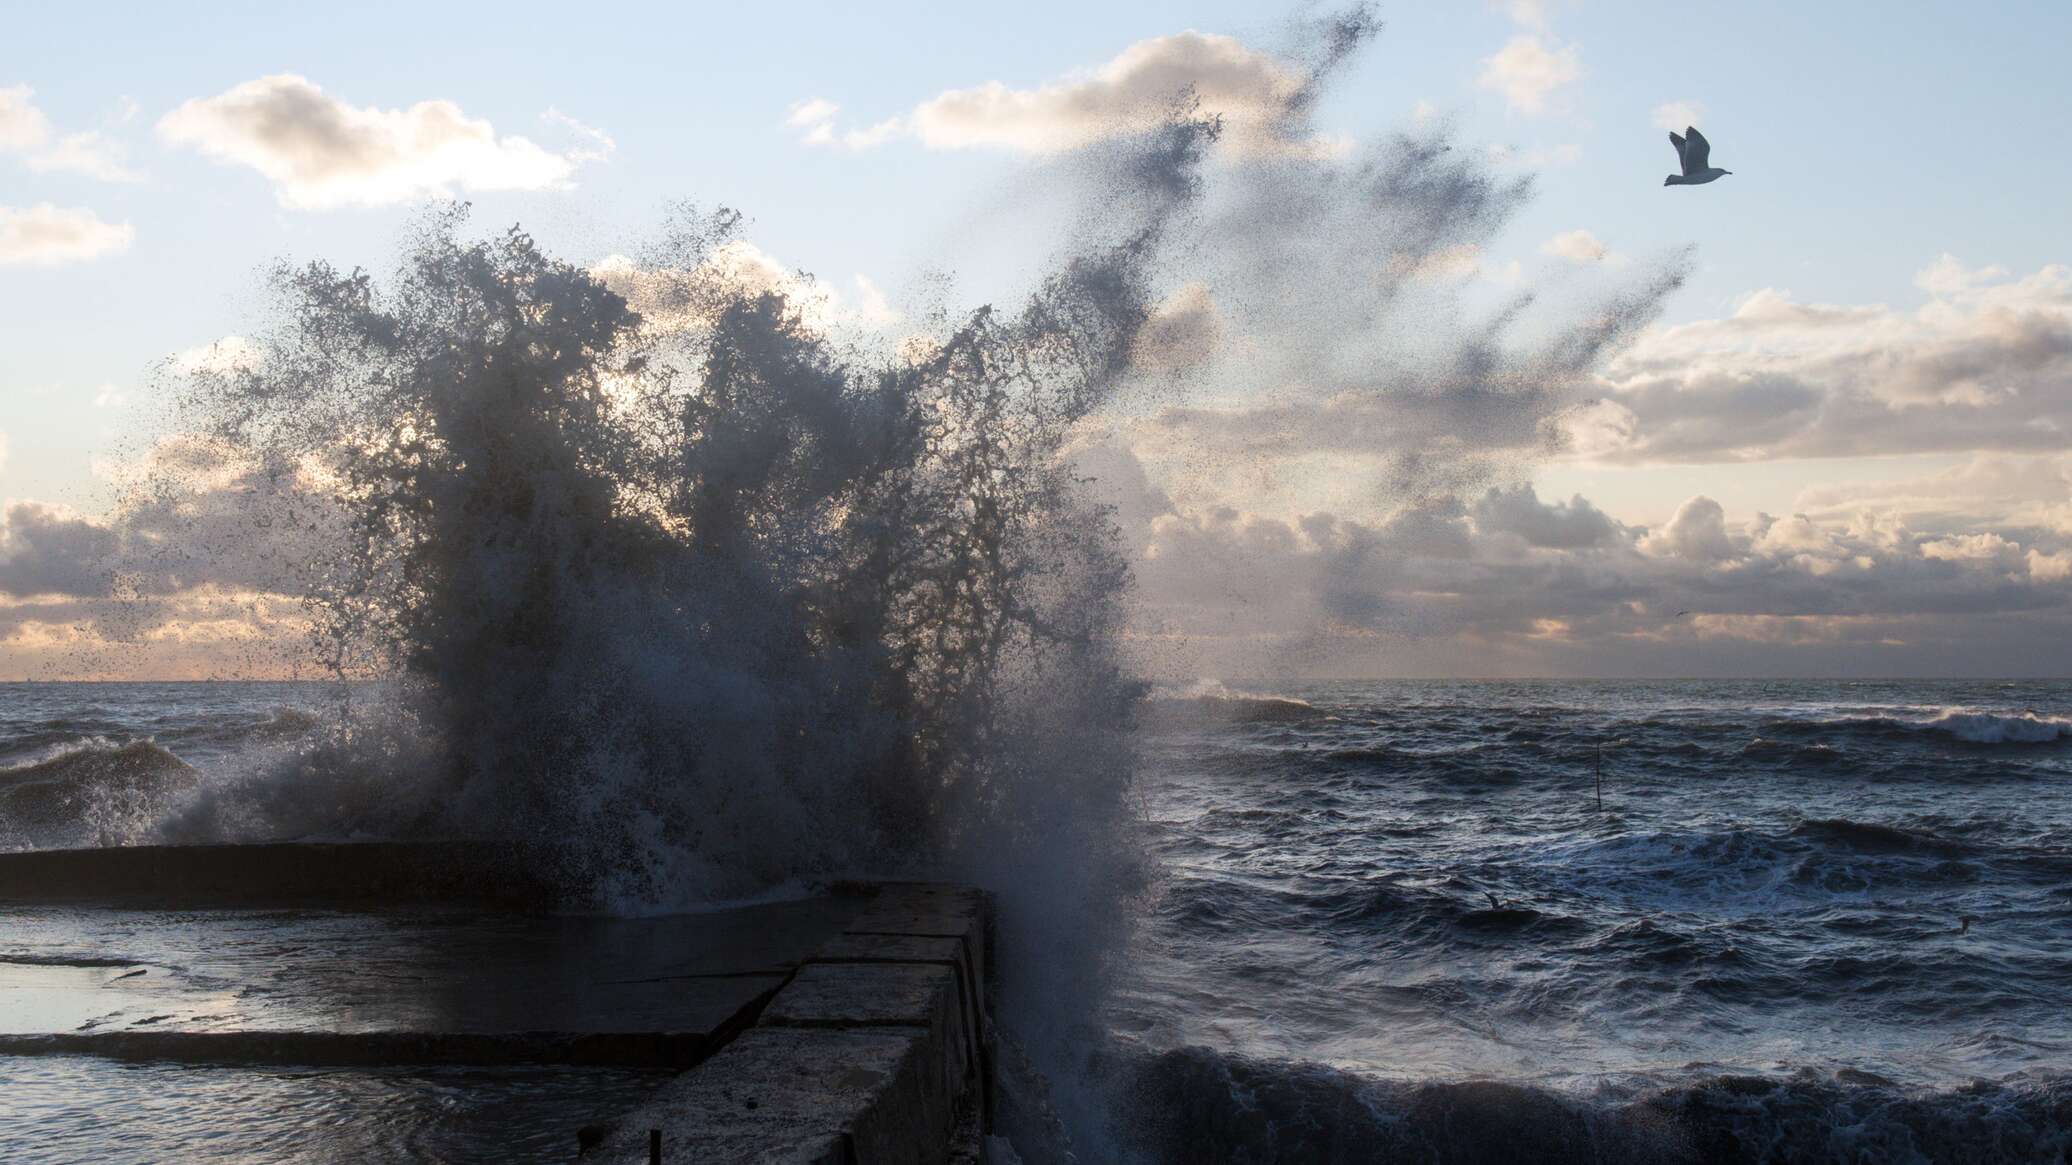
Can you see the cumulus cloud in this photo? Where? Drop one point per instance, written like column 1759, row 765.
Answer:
column 1513, row 581
column 45, row 551
column 1984, row 366
column 321, row 152
column 671, row 298
column 47, row 236
column 1260, row 97
column 1986, row 489
column 22, row 125
column 1530, row 70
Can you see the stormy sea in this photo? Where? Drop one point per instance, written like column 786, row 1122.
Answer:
column 1653, row 921
column 659, row 565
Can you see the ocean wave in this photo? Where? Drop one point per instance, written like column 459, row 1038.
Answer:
column 1201, row 1106
column 1210, row 702
column 89, row 789
column 1970, row 725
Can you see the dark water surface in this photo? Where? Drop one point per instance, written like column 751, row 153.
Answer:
column 1373, row 885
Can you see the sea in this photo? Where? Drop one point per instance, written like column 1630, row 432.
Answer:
column 1404, row 920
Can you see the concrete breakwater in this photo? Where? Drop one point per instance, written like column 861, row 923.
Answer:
column 847, row 1027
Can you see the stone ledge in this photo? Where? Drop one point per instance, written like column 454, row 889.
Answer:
column 343, row 875
column 798, row 1096
column 874, row 1053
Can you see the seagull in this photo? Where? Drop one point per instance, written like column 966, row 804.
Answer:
column 1696, row 154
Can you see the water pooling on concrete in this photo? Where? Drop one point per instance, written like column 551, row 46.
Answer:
column 247, row 1032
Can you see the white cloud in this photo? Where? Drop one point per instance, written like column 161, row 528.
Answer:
column 91, row 153
column 1697, row 532
column 670, row 299
column 1676, row 115
column 815, row 116
column 2049, row 568
column 26, row 130
column 1250, row 90
column 1948, row 277
column 1577, row 246
column 320, row 152
column 1530, row 70
column 224, row 356
column 1984, row 367
column 47, row 236
column 22, row 125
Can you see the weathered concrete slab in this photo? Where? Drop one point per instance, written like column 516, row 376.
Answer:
column 798, row 1096
column 379, row 875
column 872, row 1054
column 428, row 987
column 924, row 996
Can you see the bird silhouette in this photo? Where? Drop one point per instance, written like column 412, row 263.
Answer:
column 1696, row 155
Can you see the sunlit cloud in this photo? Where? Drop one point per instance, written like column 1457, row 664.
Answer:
column 320, row 152
column 1251, row 91
column 48, row 236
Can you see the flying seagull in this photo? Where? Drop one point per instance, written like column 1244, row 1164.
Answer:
column 1696, row 154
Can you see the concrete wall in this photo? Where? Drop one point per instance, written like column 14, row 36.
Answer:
column 877, row 1051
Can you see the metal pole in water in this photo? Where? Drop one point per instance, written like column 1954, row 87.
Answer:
column 1600, row 778
column 654, row 1147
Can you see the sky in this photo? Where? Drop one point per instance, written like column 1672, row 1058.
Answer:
column 1839, row 447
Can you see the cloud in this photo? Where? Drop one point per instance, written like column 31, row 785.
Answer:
column 1677, row 115
column 26, row 130
column 22, row 126
column 1511, row 582
column 321, row 153
column 48, row 236
column 670, row 299
column 1984, row 366
column 1986, row 489
column 222, row 357
column 1577, row 246
column 92, row 154
column 1571, row 525
column 1529, row 70
column 1260, row 97
column 44, row 551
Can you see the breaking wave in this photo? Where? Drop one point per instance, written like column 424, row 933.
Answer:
column 93, row 792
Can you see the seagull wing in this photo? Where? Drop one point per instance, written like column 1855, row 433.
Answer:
column 1697, row 152
column 1676, row 139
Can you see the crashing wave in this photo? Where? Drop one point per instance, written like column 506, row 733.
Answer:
column 92, row 792
column 1210, row 701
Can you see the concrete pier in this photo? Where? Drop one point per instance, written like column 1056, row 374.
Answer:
column 850, row 1026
